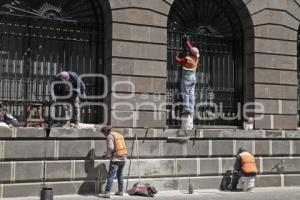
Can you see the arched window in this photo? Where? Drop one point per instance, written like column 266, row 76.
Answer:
column 215, row 28
column 40, row 38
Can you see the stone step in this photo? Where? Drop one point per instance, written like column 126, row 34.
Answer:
column 20, row 149
column 94, row 132
column 162, row 184
column 32, row 171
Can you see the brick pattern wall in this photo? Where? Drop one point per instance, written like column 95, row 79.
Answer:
column 276, row 24
column 139, row 55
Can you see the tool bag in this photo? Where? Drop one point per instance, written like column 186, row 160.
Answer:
column 141, row 189
column 226, row 183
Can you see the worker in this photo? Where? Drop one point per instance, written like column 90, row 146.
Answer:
column 189, row 66
column 117, row 153
column 63, row 90
column 245, row 171
column 8, row 120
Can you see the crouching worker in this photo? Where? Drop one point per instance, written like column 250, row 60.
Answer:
column 116, row 152
column 245, row 171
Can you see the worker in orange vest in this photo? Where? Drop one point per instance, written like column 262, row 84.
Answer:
column 245, row 165
column 117, row 153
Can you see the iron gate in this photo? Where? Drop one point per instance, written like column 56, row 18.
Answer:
column 219, row 88
column 40, row 38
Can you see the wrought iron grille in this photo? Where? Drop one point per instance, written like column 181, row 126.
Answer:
column 214, row 28
column 40, row 38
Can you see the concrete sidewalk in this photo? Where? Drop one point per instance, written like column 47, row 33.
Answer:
column 292, row 193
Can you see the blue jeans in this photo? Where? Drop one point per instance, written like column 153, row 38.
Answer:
column 188, row 83
column 115, row 167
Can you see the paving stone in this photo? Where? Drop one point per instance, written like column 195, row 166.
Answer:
column 172, row 149
column 222, row 147
column 245, row 144
column 21, row 190
column 291, row 180
column 281, row 165
column 91, row 169
column 58, row 170
column 6, row 132
column 74, row 149
column 198, row 148
column 292, row 134
column 75, row 133
column 186, row 167
column 281, row 147
column 209, row 166
column 296, row 148
column 28, row 149
column 30, row 132
column 147, row 148
column 273, row 133
column 268, row 181
column 29, row 171
column 262, row 148
column 5, row 169
column 227, row 164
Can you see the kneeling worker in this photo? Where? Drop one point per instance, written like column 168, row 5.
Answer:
column 117, row 152
column 245, row 171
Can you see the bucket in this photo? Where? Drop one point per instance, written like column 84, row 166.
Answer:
column 46, row 193
column 248, row 183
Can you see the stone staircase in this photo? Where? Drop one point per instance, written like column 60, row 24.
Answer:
column 169, row 159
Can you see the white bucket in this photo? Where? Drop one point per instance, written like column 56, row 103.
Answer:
column 247, row 183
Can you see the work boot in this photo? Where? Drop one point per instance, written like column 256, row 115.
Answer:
column 106, row 194
column 119, row 193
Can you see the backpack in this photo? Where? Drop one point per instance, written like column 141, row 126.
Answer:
column 226, row 181
column 141, row 189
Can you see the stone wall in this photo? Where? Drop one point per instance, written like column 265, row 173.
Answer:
column 139, row 38
column 276, row 24
column 74, row 164
column 139, row 55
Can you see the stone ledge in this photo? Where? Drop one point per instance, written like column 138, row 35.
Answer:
column 70, row 149
column 161, row 184
column 147, row 133
column 32, row 171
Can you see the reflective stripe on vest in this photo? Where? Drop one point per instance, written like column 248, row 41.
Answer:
column 192, row 62
column 248, row 163
column 120, row 145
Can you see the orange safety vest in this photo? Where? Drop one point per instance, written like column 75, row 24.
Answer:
column 192, row 62
column 248, row 163
column 120, row 145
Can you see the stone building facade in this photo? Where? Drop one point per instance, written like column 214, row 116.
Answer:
column 136, row 55
column 270, row 35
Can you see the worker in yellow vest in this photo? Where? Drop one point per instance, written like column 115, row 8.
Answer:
column 245, row 167
column 117, row 153
column 189, row 66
